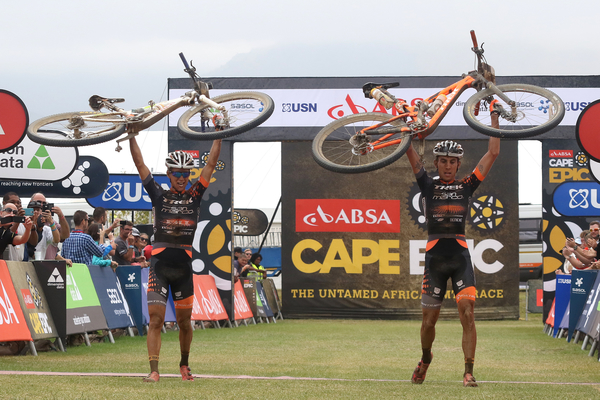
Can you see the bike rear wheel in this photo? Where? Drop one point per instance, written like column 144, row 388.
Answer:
column 333, row 149
column 74, row 129
column 246, row 110
column 538, row 111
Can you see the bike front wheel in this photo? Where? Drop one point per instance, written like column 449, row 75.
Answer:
column 340, row 147
column 246, row 110
column 538, row 111
column 75, row 129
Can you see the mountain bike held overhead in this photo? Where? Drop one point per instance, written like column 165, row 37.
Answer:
column 206, row 119
column 372, row 140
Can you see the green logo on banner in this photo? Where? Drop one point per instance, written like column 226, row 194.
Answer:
column 598, row 307
column 41, row 160
column 80, row 288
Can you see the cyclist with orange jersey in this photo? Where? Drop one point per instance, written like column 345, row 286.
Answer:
column 446, row 204
column 176, row 212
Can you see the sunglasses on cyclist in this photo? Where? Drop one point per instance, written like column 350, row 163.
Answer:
column 178, row 174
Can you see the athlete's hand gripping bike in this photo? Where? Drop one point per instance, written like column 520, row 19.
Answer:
column 207, row 119
column 368, row 141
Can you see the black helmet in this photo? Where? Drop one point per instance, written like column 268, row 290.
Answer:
column 448, row 148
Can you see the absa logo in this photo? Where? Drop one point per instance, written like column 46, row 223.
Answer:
column 337, row 215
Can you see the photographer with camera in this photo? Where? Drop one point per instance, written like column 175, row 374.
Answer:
column 46, row 232
column 9, row 219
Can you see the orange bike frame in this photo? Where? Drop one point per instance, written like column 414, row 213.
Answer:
column 451, row 92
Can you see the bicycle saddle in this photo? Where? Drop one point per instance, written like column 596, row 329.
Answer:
column 97, row 102
column 367, row 87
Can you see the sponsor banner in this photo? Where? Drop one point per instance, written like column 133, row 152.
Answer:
column 249, row 286
column 170, row 309
column 562, row 297
column 249, row 222
column 271, row 293
column 130, row 280
column 564, row 323
column 590, row 318
column 32, row 299
column 207, row 302
column 114, row 305
column 242, row 308
column 566, row 198
column 263, row 299
column 347, row 215
column 319, row 106
column 88, row 179
column 535, row 296
column 550, row 319
column 14, row 120
column 126, row 192
column 53, row 276
column 581, row 284
column 32, row 161
column 361, row 273
column 577, row 199
column 13, row 325
column 84, row 313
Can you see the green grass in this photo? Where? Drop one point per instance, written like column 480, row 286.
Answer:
column 349, row 351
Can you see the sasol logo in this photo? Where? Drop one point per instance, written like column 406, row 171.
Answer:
column 299, row 107
column 336, row 215
column 247, row 107
column 577, row 199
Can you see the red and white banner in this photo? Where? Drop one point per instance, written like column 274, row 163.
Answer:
column 347, row 215
column 207, row 303
column 13, row 325
column 242, row 308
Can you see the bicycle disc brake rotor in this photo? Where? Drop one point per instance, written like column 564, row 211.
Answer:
column 360, row 145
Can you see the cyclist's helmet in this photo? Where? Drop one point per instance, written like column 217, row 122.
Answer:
column 179, row 159
column 448, row 148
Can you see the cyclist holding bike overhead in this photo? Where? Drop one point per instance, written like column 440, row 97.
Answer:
column 176, row 212
column 446, row 204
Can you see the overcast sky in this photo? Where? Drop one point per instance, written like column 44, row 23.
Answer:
column 57, row 54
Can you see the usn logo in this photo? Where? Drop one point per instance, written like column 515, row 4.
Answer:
column 299, row 107
column 577, row 199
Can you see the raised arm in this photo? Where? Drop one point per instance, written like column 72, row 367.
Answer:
column 138, row 159
column 486, row 162
column 415, row 160
column 213, row 157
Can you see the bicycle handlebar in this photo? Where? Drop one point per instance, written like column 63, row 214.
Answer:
column 185, row 63
column 473, row 38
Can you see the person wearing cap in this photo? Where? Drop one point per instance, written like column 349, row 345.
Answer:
column 7, row 236
column 176, row 212
column 446, row 254
column 139, row 244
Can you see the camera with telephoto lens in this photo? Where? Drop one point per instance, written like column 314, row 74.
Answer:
column 12, row 218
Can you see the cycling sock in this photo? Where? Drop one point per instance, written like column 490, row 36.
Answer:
column 469, row 365
column 153, row 363
column 426, row 356
column 184, row 359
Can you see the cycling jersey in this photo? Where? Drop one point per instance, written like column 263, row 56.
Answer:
column 175, row 214
column 446, row 205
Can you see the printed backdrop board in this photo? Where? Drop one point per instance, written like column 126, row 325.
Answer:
column 84, row 313
column 32, row 299
column 114, row 306
column 130, row 279
column 53, row 276
column 353, row 245
column 14, row 326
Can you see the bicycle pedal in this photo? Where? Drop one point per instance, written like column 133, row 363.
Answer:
column 119, row 148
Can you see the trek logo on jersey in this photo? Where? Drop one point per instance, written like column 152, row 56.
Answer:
column 347, row 215
column 561, row 153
